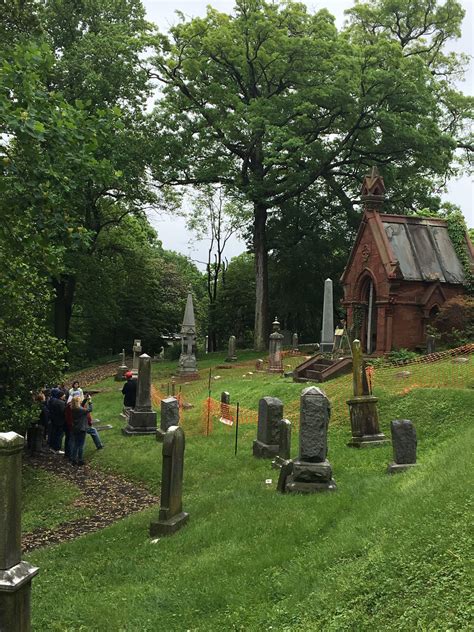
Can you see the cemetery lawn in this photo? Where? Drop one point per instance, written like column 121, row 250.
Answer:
column 47, row 500
column 381, row 553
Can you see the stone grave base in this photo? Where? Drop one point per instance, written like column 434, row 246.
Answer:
column 394, row 468
column 231, row 359
column 264, row 451
column 367, row 441
column 305, row 478
column 140, row 423
column 120, row 375
column 167, row 527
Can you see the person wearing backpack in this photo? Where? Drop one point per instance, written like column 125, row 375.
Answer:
column 80, row 422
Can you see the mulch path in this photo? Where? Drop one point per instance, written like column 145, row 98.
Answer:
column 110, row 497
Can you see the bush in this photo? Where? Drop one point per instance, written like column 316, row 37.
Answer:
column 454, row 324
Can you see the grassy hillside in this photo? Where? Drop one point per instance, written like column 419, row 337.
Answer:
column 380, row 553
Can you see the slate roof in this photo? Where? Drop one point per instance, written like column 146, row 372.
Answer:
column 423, row 249
column 414, row 248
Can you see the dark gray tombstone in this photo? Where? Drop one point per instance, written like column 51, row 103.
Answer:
column 169, row 416
column 15, row 575
column 404, row 445
column 171, row 516
column 142, row 418
column 270, row 412
column 312, row 471
column 430, row 344
column 284, row 445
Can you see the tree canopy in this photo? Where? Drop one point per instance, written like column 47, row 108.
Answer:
column 273, row 100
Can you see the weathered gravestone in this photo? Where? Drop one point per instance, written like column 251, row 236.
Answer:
column 311, row 471
column 137, row 349
column 284, row 444
column 430, row 344
column 294, row 342
column 171, row 516
column 142, row 418
column 270, row 412
column 15, row 575
column 231, row 355
column 327, row 332
column 404, row 445
column 363, row 406
column 120, row 375
column 169, row 416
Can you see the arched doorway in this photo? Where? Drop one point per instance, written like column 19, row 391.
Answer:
column 369, row 322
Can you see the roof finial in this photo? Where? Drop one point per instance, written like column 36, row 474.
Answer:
column 372, row 192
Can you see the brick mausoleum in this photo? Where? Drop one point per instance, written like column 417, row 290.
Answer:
column 400, row 272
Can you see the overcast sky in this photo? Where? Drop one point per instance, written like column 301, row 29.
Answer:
column 172, row 231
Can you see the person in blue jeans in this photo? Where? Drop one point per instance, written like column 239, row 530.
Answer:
column 87, row 403
column 80, row 423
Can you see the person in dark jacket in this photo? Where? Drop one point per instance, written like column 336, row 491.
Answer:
column 80, row 423
column 129, row 391
column 56, row 408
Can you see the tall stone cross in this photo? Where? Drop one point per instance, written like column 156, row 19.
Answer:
column 137, row 349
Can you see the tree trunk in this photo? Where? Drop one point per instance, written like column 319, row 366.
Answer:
column 63, row 303
column 261, row 278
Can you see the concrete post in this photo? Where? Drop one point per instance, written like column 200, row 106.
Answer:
column 15, row 575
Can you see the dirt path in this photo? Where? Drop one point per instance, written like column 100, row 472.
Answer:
column 110, row 497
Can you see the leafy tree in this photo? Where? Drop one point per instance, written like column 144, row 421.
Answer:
column 271, row 101
column 235, row 303
column 130, row 288
column 215, row 218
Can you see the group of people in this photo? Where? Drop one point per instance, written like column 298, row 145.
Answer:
column 67, row 413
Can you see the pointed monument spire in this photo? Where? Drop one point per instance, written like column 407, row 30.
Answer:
column 189, row 322
column 372, row 192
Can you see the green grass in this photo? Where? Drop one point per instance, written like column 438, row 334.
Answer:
column 380, row 553
column 47, row 500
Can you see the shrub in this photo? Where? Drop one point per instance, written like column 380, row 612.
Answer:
column 455, row 321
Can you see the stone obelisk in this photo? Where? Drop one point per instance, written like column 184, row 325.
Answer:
column 187, row 360
column 327, row 332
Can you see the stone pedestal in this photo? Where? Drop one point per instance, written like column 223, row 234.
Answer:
column 15, row 575
column 284, row 444
column 142, row 418
column 171, row 516
column 120, row 375
column 365, row 422
column 310, row 477
column 270, row 412
column 169, row 416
